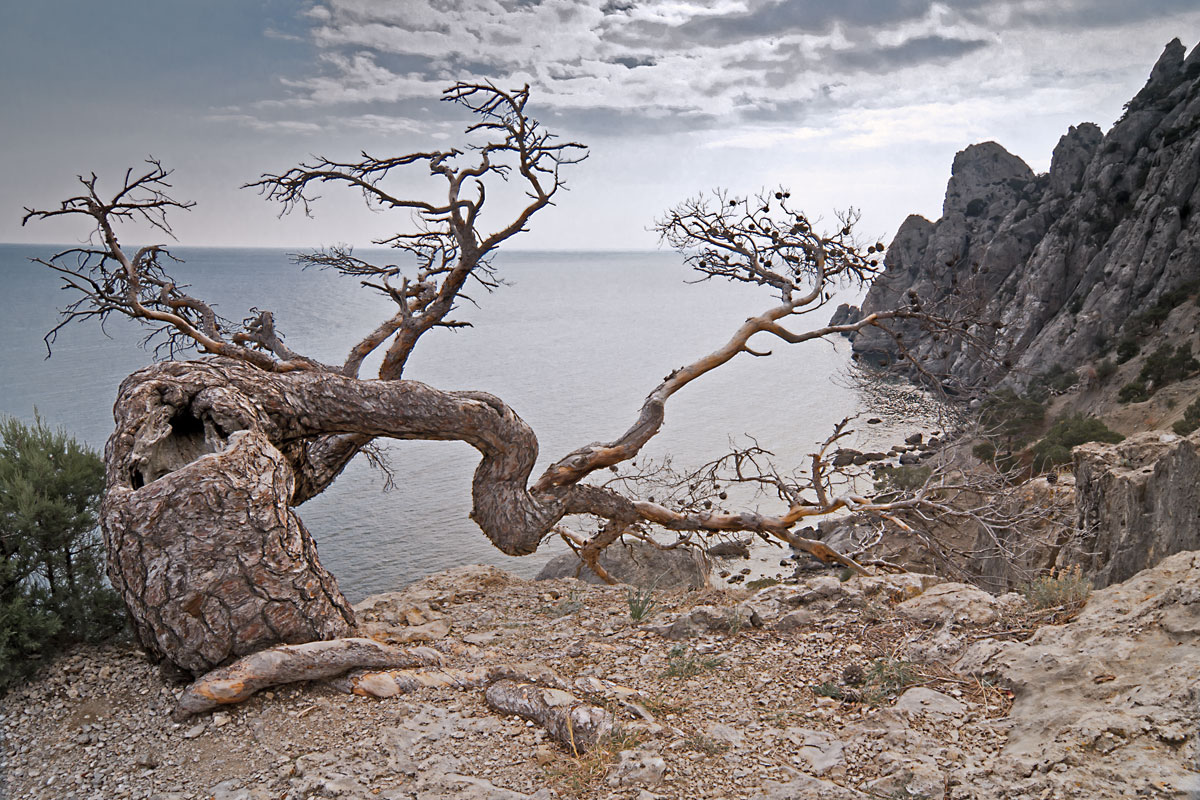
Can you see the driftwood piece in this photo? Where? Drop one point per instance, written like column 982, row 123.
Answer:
column 570, row 721
column 291, row 663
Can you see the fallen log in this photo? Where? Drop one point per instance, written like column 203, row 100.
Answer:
column 571, row 722
column 290, row 663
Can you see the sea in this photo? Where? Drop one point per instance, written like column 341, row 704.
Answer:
column 573, row 341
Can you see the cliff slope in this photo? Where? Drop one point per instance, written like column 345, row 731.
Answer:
column 1067, row 262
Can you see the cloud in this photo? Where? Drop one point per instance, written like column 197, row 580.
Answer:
column 800, row 16
column 1078, row 14
column 646, row 67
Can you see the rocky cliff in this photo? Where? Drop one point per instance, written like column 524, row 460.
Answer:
column 1138, row 502
column 1055, row 269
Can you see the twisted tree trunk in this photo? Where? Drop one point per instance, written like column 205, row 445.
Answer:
column 203, row 543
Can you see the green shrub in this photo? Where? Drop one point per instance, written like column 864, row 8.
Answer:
column 1067, row 432
column 1133, row 392
column 1165, row 365
column 1012, row 418
column 1105, row 369
column 1127, row 348
column 1191, row 419
column 52, row 589
column 891, row 480
column 762, row 583
column 892, row 675
column 984, row 451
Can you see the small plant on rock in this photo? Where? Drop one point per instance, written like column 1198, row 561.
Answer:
column 892, row 675
column 566, row 605
column 1064, row 588
column 683, row 662
column 642, row 603
column 829, row 689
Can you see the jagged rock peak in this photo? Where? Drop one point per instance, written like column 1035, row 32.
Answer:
column 1169, row 66
column 1068, row 262
column 1071, row 157
column 980, row 173
column 1173, row 66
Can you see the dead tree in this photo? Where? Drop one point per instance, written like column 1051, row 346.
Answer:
column 211, row 455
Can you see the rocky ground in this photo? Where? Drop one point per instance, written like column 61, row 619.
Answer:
column 889, row 687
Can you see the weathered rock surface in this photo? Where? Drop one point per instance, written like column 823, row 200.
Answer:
column 1137, row 501
column 952, row 602
column 751, row 717
column 637, row 564
column 1061, row 261
column 1107, row 705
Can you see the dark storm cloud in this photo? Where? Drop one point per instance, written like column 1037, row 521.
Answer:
column 629, row 62
column 921, row 50
column 801, row 16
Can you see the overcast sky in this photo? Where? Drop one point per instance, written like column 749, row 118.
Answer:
column 854, row 102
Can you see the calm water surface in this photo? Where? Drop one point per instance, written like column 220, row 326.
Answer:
column 573, row 342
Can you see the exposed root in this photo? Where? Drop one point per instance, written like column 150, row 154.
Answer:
column 570, row 721
column 389, row 683
column 291, row 663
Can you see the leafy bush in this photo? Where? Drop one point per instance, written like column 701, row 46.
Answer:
column 1012, row 418
column 1191, row 419
column 1165, row 365
column 1067, row 432
column 1127, row 348
column 52, row 588
column 1105, row 369
column 1133, row 392
column 1066, row 588
column 1142, row 324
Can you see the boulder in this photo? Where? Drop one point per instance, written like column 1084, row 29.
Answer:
column 949, row 603
column 637, row 564
column 919, row 700
column 1104, row 706
column 1137, row 502
column 637, row 768
column 736, row 548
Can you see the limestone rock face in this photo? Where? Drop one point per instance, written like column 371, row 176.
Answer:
column 1050, row 268
column 1104, row 706
column 1137, row 502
